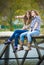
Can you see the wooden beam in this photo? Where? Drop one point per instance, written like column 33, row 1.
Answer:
column 15, row 55
column 38, row 51
column 40, row 61
column 23, row 60
column 19, row 58
column 4, row 49
column 37, row 47
column 6, row 61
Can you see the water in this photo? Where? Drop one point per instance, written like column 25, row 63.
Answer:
column 32, row 53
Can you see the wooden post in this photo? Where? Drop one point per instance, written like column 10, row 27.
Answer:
column 16, row 55
column 6, row 56
column 40, row 61
column 4, row 49
column 39, row 54
column 23, row 60
column 38, row 51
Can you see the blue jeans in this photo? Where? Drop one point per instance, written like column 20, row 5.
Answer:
column 29, row 35
column 16, row 35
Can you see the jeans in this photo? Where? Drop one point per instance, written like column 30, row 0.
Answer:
column 16, row 35
column 29, row 35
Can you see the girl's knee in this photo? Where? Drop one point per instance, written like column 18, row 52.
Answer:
column 16, row 31
column 16, row 35
column 28, row 34
column 21, row 36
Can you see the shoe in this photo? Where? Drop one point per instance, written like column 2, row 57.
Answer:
column 7, row 42
column 21, row 48
column 27, row 49
column 15, row 49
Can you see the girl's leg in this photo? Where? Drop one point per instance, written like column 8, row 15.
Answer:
column 29, row 37
column 11, row 38
column 22, row 36
column 13, row 35
column 17, row 36
column 16, row 39
column 15, row 32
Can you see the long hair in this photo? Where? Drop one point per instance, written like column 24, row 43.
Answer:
column 36, row 12
column 26, row 20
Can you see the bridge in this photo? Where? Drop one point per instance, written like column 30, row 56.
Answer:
column 6, row 35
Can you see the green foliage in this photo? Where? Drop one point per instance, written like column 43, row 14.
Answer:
column 42, row 26
column 18, row 6
column 11, row 8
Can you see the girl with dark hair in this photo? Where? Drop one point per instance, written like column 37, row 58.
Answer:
column 16, row 34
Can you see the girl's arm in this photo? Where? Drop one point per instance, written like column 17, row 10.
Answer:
column 26, row 27
column 19, row 16
column 36, row 24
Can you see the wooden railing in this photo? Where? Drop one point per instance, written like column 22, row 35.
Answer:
column 5, row 50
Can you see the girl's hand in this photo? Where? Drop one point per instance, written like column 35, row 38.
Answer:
column 16, row 16
column 24, row 28
column 19, row 16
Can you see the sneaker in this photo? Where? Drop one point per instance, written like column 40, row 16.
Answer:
column 7, row 42
column 15, row 49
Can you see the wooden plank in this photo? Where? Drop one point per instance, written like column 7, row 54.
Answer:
column 40, row 61
column 39, row 54
column 3, row 38
column 37, row 47
column 20, row 58
column 16, row 55
column 38, row 51
column 8, row 34
column 23, row 60
column 41, row 41
column 6, row 61
column 40, row 36
column 4, row 49
column 5, row 34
